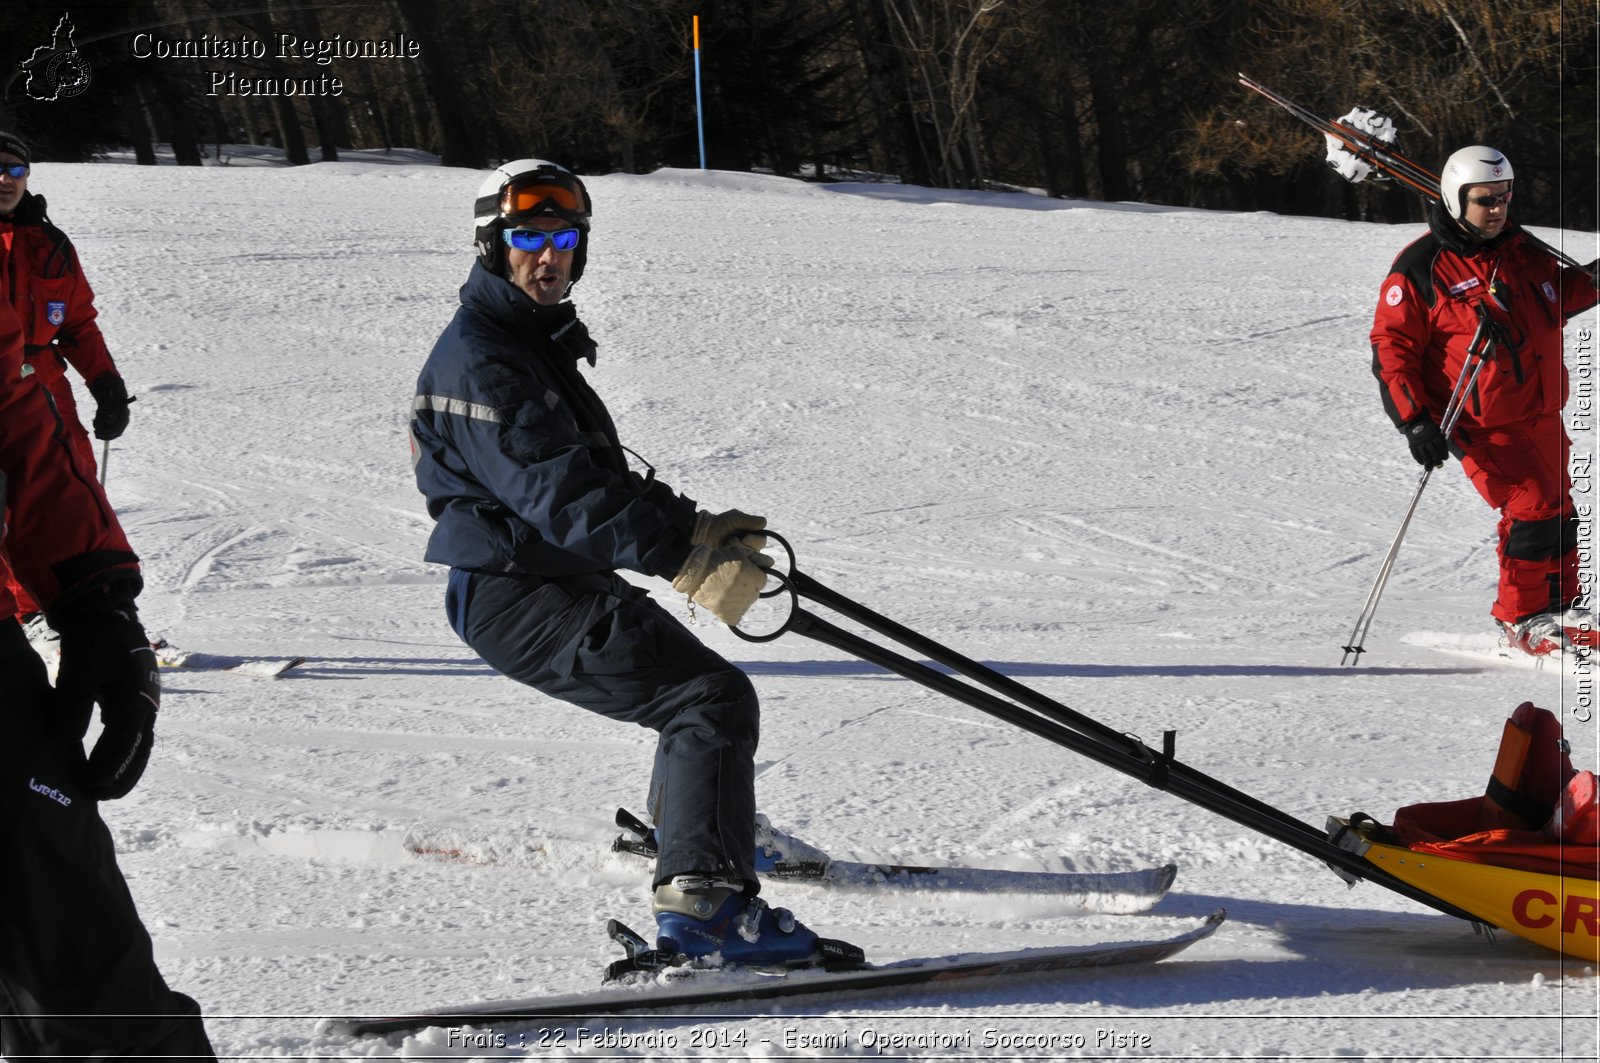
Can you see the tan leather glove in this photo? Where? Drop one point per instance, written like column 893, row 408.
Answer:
column 717, row 529
column 726, row 580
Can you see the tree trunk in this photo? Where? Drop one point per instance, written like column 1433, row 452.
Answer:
column 291, row 132
column 138, row 127
column 180, row 124
column 371, row 103
column 327, row 113
column 898, row 131
column 457, row 131
column 1110, row 144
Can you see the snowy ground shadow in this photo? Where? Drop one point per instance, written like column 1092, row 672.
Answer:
column 1357, row 949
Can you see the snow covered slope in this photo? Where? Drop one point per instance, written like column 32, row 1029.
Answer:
column 1131, row 455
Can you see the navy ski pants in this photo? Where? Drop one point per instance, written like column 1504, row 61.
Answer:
column 600, row 643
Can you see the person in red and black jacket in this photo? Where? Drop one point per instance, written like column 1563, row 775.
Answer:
column 55, row 305
column 78, row 976
column 1476, row 282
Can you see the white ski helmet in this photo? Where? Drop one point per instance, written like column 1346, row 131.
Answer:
column 1474, row 165
column 529, row 188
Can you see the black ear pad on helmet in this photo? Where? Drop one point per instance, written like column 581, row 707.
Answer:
column 491, row 251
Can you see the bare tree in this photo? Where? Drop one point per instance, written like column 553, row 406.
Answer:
column 946, row 44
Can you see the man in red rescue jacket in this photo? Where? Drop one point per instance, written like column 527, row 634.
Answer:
column 1476, row 283
column 55, row 306
column 78, row 976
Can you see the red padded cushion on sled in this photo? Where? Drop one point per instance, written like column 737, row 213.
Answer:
column 1534, row 775
column 1577, row 821
column 1438, row 822
column 1447, row 828
column 1530, row 771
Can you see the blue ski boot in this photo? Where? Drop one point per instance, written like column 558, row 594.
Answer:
column 709, row 919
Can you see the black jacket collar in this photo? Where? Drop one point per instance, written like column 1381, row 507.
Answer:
column 510, row 307
column 30, row 211
column 1453, row 235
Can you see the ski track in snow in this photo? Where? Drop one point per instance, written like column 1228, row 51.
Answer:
column 1131, row 455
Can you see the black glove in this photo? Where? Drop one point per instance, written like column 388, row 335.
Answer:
column 110, row 405
column 1427, row 442
column 106, row 658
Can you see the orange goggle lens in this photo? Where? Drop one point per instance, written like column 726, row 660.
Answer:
column 525, row 199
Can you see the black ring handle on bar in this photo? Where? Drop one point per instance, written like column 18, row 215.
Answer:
column 1031, row 711
column 785, row 583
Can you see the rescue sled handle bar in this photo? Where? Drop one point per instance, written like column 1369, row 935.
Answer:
column 1133, row 755
column 1055, row 722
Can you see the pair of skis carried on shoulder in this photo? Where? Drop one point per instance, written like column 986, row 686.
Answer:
column 1381, row 156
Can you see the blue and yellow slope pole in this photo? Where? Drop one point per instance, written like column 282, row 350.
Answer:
column 699, row 110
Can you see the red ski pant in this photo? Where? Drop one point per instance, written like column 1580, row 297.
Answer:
column 14, row 598
column 1522, row 470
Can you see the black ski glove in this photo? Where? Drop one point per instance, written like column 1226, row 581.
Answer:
column 106, row 658
column 111, row 405
column 1427, row 442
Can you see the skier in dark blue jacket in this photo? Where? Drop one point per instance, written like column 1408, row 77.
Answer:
column 537, row 509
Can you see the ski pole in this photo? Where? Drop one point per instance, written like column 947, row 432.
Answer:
column 1353, row 648
column 105, row 451
column 1477, row 352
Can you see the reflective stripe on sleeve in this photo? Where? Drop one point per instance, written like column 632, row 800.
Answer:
column 459, row 407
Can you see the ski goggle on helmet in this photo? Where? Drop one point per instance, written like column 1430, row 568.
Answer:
column 517, row 191
column 528, row 188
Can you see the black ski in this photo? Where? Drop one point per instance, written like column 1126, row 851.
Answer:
column 705, row 987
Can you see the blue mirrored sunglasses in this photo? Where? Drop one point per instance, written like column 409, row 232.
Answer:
column 14, row 170
column 532, row 240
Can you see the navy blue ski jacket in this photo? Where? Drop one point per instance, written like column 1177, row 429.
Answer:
column 519, row 459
